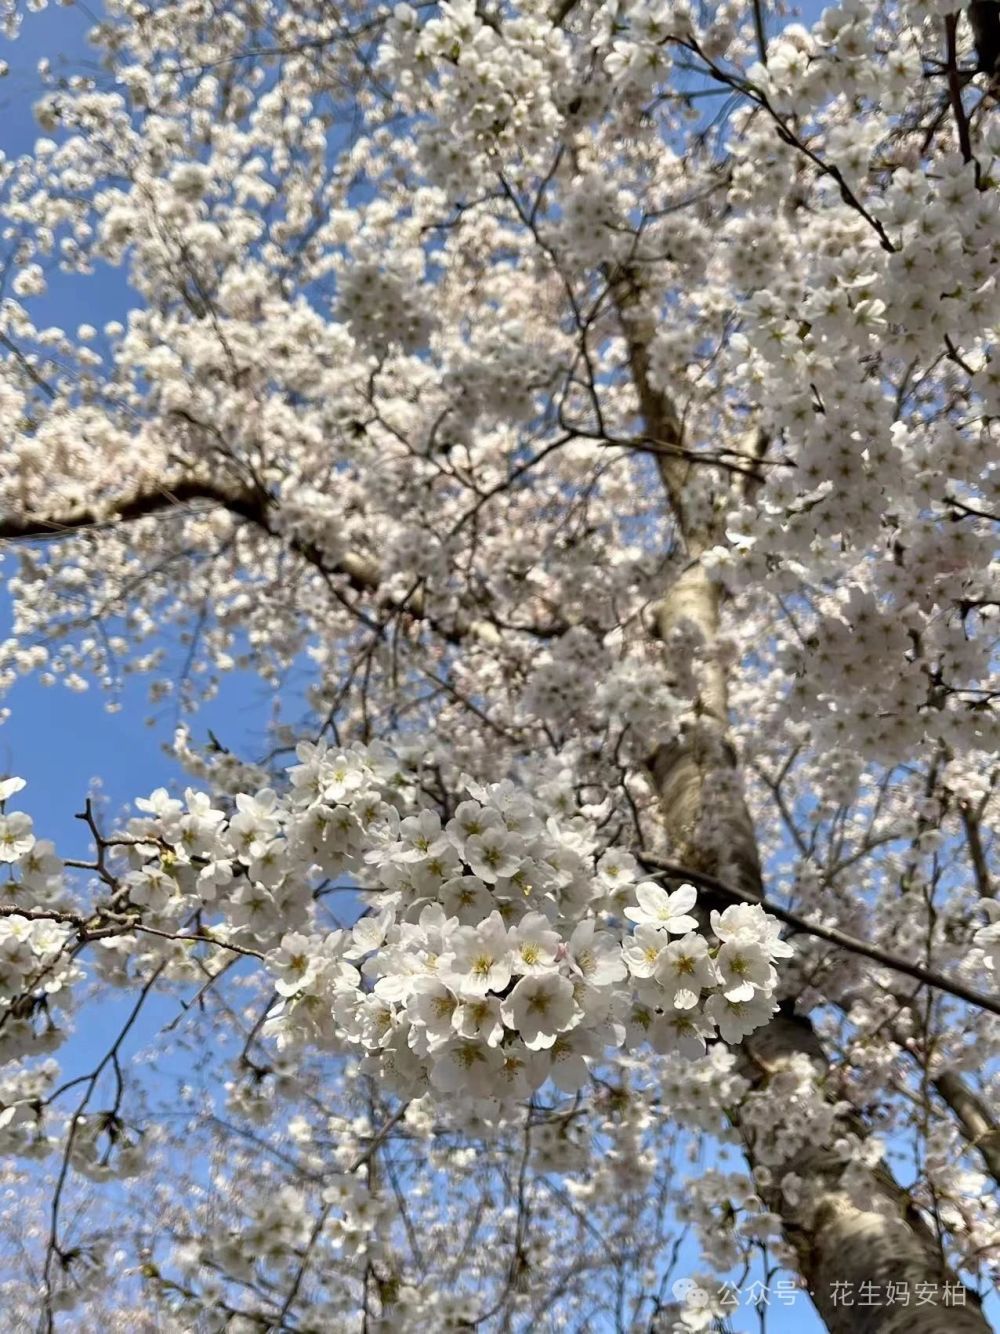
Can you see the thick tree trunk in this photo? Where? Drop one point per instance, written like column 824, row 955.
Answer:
column 980, row 1128
column 857, row 1248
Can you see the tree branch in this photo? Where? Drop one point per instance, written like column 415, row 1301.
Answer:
column 831, row 934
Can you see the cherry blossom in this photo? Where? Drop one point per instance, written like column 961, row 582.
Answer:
column 580, row 420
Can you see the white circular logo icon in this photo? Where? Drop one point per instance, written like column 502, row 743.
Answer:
column 687, row 1290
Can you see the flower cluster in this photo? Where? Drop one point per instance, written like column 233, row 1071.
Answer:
column 383, row 309
column 36, row 966
column 495, row 952
column 489, row 83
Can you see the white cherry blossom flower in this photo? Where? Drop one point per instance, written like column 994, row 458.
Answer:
column 540, row 1007
column 572, row 1054
column 662, row 910
column 480, row 1019
column 293, row 965
column 534, row 943
column 16, row 838
column 616, row 869
column 750, row 922
column 469, row 1069
column 480, row 958
column 493, row 854
column 8, row 786
column 744, row 968
column 685, row 969
column 735, row 1018
column 595, row 955
column 642, row 950
column 432, row 1007
column 421, row 837
column 471, row 819
column 682, row 1031
column 467, row 898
